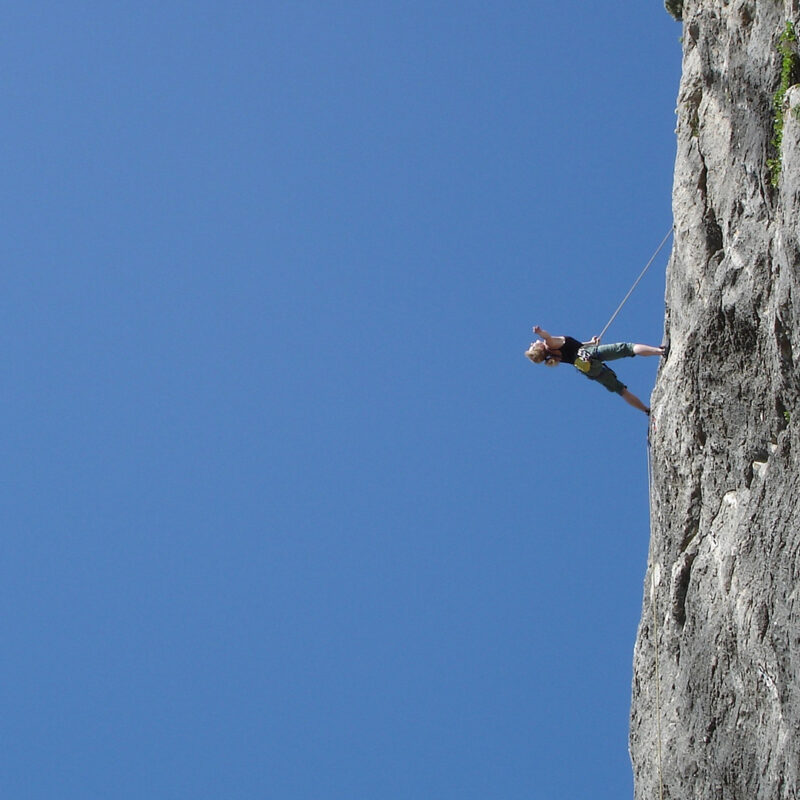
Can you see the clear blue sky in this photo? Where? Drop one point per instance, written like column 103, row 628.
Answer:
column 286, row 513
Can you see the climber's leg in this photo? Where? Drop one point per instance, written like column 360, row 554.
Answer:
column 634, row 401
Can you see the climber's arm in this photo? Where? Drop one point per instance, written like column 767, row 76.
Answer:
column 553, row 342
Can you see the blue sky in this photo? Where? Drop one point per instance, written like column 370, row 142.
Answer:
column 286, row 512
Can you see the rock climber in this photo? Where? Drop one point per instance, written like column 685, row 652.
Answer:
column 589, row 358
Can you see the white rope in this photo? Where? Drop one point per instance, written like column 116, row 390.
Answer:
column 635, row 284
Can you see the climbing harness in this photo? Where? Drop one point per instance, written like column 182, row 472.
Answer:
column 654, row 581
column 635, row 284
column 583, row 360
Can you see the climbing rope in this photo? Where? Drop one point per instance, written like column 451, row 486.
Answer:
column 653, row 602
column 635, row 284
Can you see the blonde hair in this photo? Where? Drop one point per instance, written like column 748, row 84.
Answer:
column 537, row 352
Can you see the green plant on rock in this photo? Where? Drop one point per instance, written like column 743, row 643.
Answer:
column 694, row 123
column 789, row 67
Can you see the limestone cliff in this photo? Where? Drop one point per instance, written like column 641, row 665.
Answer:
column 716, row 688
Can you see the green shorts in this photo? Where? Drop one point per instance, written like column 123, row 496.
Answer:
column 610, row 352
column 604, row 375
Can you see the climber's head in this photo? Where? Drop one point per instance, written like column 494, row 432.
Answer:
column 538, row 353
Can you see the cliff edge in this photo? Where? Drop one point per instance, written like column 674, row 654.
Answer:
column 716, row 687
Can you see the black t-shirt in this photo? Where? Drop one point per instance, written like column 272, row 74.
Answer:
column 569, row 350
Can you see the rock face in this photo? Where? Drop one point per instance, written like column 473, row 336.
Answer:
column 716, row 688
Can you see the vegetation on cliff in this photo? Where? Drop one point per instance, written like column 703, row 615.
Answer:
column 789, row 74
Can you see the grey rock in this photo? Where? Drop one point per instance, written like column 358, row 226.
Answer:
column 716, row 688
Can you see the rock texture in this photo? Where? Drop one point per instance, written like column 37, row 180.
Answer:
column 716, row 689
